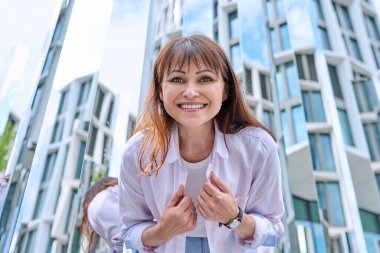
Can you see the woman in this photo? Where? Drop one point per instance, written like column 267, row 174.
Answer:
column 200, row 174
column 99, row 217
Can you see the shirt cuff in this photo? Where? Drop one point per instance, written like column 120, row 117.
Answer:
column 264, row 234
column 133, row 238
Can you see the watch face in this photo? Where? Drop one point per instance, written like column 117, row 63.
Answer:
column 235, row 223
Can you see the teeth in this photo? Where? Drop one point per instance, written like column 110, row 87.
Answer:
column 198, row 106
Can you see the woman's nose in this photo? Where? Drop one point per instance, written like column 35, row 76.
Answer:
column 191, row 90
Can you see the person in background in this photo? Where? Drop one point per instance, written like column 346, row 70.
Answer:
column 200, row 174
column 101, row 216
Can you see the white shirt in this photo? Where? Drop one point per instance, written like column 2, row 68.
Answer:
column 104, row 218
column 249, row 167
column 195, row 179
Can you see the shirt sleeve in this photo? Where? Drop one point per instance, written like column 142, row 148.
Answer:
column 134, row 211
column 265, row 202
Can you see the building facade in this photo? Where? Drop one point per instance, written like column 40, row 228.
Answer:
column 310, row 72
column 54, row 224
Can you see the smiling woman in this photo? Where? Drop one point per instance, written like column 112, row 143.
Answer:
column 214, row 163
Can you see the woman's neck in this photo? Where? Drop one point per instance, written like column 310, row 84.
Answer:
column 195, row 144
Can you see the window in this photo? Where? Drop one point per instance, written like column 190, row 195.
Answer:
column 131, row 125
column 321, row 152
column 268, row 119
column 273, row 40
column 71, row 212
column 312, row 102
column 99, row 103
column 36, row 100
column 318, row 8
column 378, row 180
column 370, row 221
column 39, row 203
column 30, row 243
column 325, row 41
column 62, row 103
column 372, row 30
column 305, row 210
column 355, row 51
column 82, row 149
column 94, row 132
column 84, row 90
column 365, row 93
column 293, row 125
column 330, row 202
column 233, row 25
column 58, row 27
column 285, row 39
column 49, row 166
column 372, row 135
column 57, row 130
column 335, row 81
column 235, row 56
column 109, row 117
column 345, row 126
column 275, row 9
column 287, row 81
column 248, row 81
column 265, row 86
column 48, row 61
column 306, row 67
column 106, row 152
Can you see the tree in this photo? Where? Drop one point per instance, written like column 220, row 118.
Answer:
column 6, row 141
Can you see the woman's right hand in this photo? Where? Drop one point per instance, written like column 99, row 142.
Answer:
column 179, row 217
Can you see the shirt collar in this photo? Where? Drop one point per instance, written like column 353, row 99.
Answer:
column 174, row 154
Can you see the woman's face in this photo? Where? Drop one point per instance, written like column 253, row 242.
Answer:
column 192, row 96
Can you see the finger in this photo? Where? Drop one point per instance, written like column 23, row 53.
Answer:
column 211, row 190
column 185, row 203
column 216, row 181
column 204, row 195
column 202, row 211
column 177, row 196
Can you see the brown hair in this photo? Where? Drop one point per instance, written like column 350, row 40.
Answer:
column 86, row 230
column 156, row 123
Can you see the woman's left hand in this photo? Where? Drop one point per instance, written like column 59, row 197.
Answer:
column 215, row 201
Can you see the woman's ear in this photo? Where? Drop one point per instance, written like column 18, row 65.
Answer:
column 225, row 93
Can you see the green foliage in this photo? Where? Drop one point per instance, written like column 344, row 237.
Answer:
column 97, row 175
column 6, row 141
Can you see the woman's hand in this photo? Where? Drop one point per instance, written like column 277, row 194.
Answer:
column 179, row 217
column 215, row 202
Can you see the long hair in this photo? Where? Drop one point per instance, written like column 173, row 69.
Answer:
column 86, row 230
column 155, row 123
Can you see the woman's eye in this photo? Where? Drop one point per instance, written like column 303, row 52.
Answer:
column 206, row 79
column 176, row 80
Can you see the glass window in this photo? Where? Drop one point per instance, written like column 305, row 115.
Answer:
column 233, row 25
column 321, row 152
column 30, row 243
column 265, row 87
column 62, row 103
column 318, row 7
column 131, row 125
column 248, row 81
column 292, row 80
column 312, row 102
column 58, row 27
column 373, row 31
column 270, row 10
column 99, row 103
column 49, row 166
column 330, row 202
column 285, row 128
column 375, row 57
column 305, row 210
column 268, row 119
column 82, row 149
column 84, row 89
column 324, row 38
column 378, row 181
column 48, row 61
column 285, row 39
column 235, row 56
column 345, row 126
column 39, row 203
column 311, row 67
column 280, row 84
column 280, row 8
column 346, row 18
column 36, row 99
column 335, row 81
column 301, row 73
column 273, row 40
column 298, row 124
column 372, row 135
column 355, row 49
column 370, row 221
column 109, row 117
column 215, row 9
column 94, row 133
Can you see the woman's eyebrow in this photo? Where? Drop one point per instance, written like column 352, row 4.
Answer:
column 204, row 70
column 177, row 70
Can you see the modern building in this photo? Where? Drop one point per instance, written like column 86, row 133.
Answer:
column 54, row 224
column 310, row 71
column 21, row 158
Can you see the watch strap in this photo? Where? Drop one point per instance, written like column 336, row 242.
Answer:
column 239, row 217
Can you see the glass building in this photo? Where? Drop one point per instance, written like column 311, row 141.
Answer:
column 310, row 72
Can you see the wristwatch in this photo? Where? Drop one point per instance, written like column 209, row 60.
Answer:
column 234, row 223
